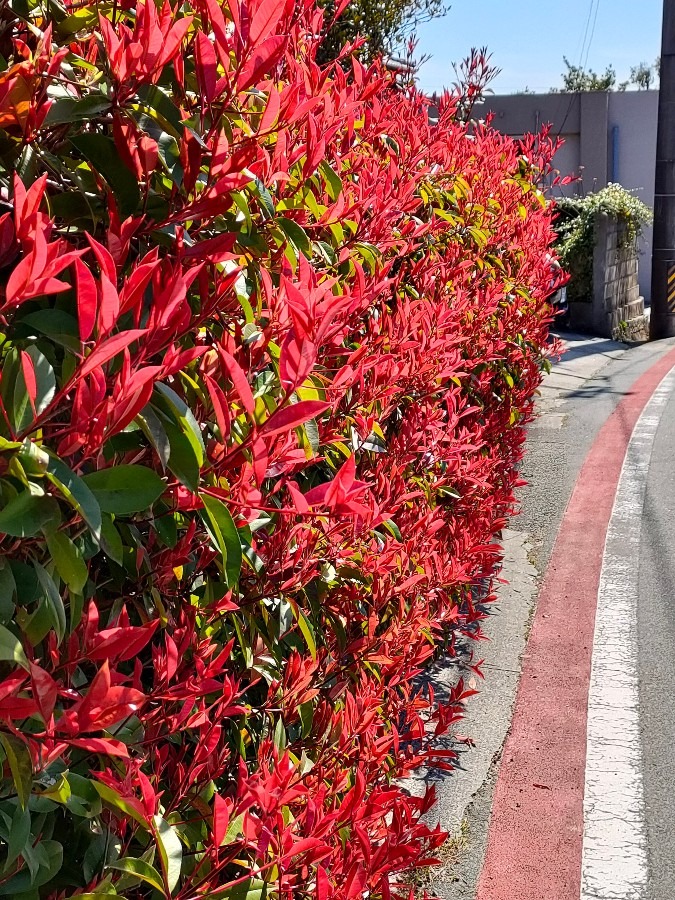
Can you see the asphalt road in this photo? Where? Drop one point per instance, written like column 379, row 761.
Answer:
column 656, row 658
column 577, row 399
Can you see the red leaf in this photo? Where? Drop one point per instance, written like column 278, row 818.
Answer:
column 104, row 259
column 221, row 818
column 101, row 706
column 122, row 644
column 87, row 297
column 261, row 62
column 28, row 371
column 291, row 416
column 110, row 306
column 220, row 407
column 265, row 19
column 324, row 889
column 45, row 691
column 239, row 380
column 298, row 356
column 105, row 746
column 272, row 108
column 356, row 881
column 260, row 460
column 108, row 349
column 174, row 38
column 206, row 68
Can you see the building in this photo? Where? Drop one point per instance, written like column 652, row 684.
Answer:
column 610, row 136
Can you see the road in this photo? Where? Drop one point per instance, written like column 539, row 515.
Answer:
column 570, row 796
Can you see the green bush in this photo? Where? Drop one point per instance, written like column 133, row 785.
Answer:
column 576, row 231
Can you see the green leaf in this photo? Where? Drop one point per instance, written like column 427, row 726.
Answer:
column 167, row 529
column 393, row 529
column 84, row 799
column 82, row 18
column 266, row 199
column 141, row 870
column 95, row 856
column 125, row 490
column 55, row 607
column 169, row 153
column 58, row 325
column 183, row 416
column 155, row 432
column 11, row 649
column 7, row 591
column 76, row 493
column 101, row 895
column 50, row 863
column 186, row 446
column 20, row 765
column 225, row 536
column 67, row 110
column 33, row 458
column 307, row 632
column 251, row 889
column 280, row 737
column 111, row 540
column 370, row 255
column 112, row 798
column 235, row 830
column 19, row 835
column 169, row 115
column 170, row 851
column 26, row 514
column 69, row 561
column 183, row 460
column 102, row 155
column 296, row 235
column 306, row 717
column 333, row 180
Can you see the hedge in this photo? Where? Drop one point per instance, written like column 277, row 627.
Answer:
column 269, row 344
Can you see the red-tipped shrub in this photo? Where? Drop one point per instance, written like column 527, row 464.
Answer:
column 269, row 344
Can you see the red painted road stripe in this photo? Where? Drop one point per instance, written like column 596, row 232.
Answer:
column 536, row 829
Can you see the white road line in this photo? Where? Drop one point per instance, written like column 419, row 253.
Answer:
column 615, row 862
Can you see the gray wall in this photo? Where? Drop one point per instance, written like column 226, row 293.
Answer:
column 608, row 137
column 635, row 114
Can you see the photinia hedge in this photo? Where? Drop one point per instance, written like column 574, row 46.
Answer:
column 269, row 341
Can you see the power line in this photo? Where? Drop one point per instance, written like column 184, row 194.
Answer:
column 588, row 25
column 583, row 61
column 590, row 40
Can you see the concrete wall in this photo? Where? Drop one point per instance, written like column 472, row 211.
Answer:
column 635, row 115
column 608, row 137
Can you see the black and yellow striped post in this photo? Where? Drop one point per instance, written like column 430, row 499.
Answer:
column 663, row 257
column 671, row 290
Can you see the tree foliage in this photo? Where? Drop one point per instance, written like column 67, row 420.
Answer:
column 382, row 24
column 644, row 75
column 577, row 79
column 269, row 345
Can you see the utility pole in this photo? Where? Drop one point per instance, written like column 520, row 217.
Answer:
column 663, row 255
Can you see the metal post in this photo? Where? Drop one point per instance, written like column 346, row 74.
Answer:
column 663, row 257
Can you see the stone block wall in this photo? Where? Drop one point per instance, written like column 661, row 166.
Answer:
column 616, row 309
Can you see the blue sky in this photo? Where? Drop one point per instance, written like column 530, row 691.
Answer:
column 528, row 39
